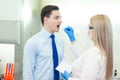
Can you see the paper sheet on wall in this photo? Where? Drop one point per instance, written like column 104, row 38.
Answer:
column 64, row 66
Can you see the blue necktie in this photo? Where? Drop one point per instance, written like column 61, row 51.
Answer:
column 55, row 58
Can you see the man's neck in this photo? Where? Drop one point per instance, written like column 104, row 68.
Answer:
column 47, row 29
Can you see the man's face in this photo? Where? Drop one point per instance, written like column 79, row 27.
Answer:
column 54, row 21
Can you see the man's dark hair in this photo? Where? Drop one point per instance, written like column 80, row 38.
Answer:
column 46, row 11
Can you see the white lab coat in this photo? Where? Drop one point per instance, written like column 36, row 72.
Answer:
column 90, row 65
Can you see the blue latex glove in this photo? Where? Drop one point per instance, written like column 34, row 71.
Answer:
column 65, row 75
column 70, row 32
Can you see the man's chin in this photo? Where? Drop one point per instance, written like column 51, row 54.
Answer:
column 57, row 30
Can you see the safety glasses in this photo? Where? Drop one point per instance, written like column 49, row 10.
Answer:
column 90, row 27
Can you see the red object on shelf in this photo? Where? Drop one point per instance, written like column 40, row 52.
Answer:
column 9, row 73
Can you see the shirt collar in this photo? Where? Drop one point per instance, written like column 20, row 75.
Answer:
column 45, row 33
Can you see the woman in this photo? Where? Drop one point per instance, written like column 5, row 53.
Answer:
column 97, row 62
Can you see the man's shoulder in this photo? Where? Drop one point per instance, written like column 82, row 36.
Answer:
column 34, row 39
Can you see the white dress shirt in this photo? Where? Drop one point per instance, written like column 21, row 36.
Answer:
column 90, row 65
column 38, row 57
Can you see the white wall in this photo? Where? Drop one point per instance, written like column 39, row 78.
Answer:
column 9, row 10
column 9, row 31
column 10, row 21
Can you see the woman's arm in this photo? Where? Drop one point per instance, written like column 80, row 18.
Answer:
column 76, row 51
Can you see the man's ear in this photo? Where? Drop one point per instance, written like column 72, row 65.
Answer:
column 45, row 20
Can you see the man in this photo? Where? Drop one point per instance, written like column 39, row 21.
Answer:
column 38, row 52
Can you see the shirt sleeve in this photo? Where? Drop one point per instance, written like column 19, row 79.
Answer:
column 75, row 50
column 62, row 52
column 28, row 61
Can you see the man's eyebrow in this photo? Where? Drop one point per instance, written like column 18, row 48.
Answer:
column 57, row 16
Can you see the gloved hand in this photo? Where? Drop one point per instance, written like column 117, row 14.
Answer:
column 65, row 75
column 70, row 32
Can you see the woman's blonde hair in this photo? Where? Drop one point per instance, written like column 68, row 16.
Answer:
column 103, row 39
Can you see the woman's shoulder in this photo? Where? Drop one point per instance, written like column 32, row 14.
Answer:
column 93, row 50
column 94, row 53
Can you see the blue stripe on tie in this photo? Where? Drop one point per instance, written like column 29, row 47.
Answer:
column 55, row 57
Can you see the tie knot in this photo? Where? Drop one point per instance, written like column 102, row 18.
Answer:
column 52, row 36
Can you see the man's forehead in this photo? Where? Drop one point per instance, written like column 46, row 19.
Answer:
column 55, row 12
